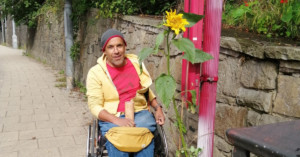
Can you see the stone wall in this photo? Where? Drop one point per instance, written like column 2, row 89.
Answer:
column 258, row 84
column 47, row 42
column 258, row 81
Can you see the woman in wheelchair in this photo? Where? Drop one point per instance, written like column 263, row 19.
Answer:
column 114, row 80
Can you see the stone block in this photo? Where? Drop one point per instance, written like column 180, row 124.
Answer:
column 221, row 144
column 259, row 75
column 256, row 119
column 283, row 52
column 253, row 118
column 252, row 48
column 289, row 67
column 246, row 46
column 228, row 52
column 269, row 119
column 230, row 43
column 229, row 75
column 225, row 99
column 287, row 101
column 176, row 66
column 229, row 117
column 259, row 100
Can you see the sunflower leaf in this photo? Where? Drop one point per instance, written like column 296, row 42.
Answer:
column 192, row 18
column 143, row 55
column 165, row 86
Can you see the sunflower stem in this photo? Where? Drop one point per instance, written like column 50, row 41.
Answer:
column 168, row 55
column 179, row 121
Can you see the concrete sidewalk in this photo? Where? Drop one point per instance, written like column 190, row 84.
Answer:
column 38, row 119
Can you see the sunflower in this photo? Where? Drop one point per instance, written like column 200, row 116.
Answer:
column 175, row 21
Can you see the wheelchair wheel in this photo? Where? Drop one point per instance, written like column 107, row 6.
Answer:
column 91, row 141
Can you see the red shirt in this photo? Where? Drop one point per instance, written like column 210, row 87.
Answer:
column 127, row 82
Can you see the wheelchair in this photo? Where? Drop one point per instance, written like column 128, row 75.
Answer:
column 96, row 142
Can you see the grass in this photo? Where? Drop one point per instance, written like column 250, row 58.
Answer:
column 80, row 86
column 61, row 85
column 62, row 81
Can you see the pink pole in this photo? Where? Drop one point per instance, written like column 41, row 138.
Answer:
column 209, row 71
column 191, row 73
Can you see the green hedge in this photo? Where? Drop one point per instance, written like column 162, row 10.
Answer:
column 273, row 18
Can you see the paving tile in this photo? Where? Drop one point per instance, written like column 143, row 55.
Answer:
column 69, row 131
column 12, row 146
column 33, row 106
column 19, row 112
column 77, row 122
column 14, row 100
column 47, row 110
column 62, row 116
column 35, row 134
column 51, row 124
column 63, row 141
column 76, row 151
column 80, row 139
column 26, row 144
column 19, row 127
column 2, row 113
column 35, row 118
column 9, row 154
column 15, row 94
column 46, row 152
column 4, row 95
column 9, row 136
column 26, row 100
column 13, row 108
column 7, row 146
column 9, row 120
column 3, row 102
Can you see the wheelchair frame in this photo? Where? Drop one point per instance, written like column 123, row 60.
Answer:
column 96, row 142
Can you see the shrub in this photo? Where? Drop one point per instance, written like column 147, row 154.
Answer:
column 273, row 17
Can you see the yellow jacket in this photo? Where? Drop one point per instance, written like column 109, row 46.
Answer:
column 102, row 93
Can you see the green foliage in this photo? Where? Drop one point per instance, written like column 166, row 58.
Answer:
column 23, row 11
column 165, row 86
column 79, row 9
column 28, row 11
column 61, row 72
column 81, row 87
column 75, row 51
column 271, row 17
column 110, row 8
column 192, row 18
